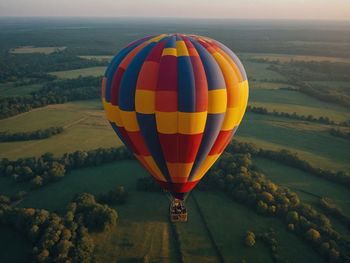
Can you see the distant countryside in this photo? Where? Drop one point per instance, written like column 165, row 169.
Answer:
column 71, row 192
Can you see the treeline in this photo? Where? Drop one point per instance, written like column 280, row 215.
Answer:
column 332, row 209
column 311, row 118
column 324, row 93
column 339, row 133
column 235, row 175
column 60, row 238
column 82, row 88
column 16, row 67
column 291, row 159
column 299, row 77
column 47, row 168
column 33, row 135
column 311, row 70
column 333, row 70
column 116, row 196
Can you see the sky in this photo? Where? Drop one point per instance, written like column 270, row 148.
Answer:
column 246, row 9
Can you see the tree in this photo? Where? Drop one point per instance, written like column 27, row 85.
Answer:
column 57, row 170
column 292, row 217
column 291, row 227
column 267, row 197
column 313, row 234
column 262, row 207
column 43, row 255
column 37, row 181
column 249, row 240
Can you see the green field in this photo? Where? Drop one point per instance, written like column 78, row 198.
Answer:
column 83, row 72
column 10, row 89
column 288, row 58
column 259, row 72
column 228, row 221
column 14, row 248
column 31, row 49
column 319, row 148
column 195, row 242
column 294, row 101
column 85, row 128
column 143, row 227
column 143, row 232
column 9, row 187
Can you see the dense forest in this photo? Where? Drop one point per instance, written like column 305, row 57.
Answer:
column 16, row 67
column 60, row 237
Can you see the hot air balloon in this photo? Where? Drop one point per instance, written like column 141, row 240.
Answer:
column 175, row 101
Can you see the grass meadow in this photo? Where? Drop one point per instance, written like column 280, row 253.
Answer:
column 83, row 72
column 84, row 124
column 318, row 147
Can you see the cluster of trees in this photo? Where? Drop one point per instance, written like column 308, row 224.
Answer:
column 295, row 116
column 33, row 135
column 61, row 238
column 36, row 65
column 268, row 238
column 93, row 215
column 47, row 168
column 82, row 88
column 5, row 199
column 340, row 133
column 234, row 174
column 117, row 196
column 291, row 159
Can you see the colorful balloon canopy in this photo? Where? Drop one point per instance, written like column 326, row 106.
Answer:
column 175, row 101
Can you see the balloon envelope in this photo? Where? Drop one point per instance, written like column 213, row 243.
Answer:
column 175, row 101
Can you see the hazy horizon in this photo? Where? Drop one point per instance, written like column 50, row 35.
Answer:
column 258, row 9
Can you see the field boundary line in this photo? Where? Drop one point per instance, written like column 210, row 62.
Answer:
column 75, row 122
column 178, row 248
column 210, row 235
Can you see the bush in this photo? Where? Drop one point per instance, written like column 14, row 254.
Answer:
column 249, row 240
